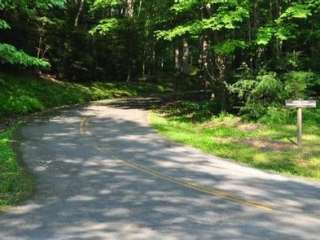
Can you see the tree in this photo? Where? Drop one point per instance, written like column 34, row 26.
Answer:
column 9, row 53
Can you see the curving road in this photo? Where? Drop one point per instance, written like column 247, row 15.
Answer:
column 103, row 173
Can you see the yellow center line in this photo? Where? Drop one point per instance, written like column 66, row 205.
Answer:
column 201, row 188
column 196, row 186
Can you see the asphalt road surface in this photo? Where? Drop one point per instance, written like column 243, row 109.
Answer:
column 102, row 173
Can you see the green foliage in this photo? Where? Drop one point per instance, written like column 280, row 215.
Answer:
column 297, row 10
column 264, row 95
column 184, row 5
column 259, row 93
column 11, row 55
column 268, row 88
column 4, row 24
column 280, row 115
column 106, row 27
column 265, row 35
column 200, row 44
column 224, row 19
column 105, row 4
column 277, row 116
column 297, row 84
column 47, row 4
column 229, row 47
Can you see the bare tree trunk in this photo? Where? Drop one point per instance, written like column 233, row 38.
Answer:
column 177, row 58
column 278, row 41
column 255, row 24
column 205, row 50
column 204, row 59
column 129, row 74
column 185, row 57
column 130, row 8
column 129, row 12
column 81, row 5
column 221, row 66
column 41, row 31
column 39, row 50
column 140, row 7
column 143, row 70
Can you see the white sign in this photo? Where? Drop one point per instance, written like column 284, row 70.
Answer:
column 301, row 103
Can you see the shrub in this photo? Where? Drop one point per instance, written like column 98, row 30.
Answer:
column 263, row 96
column 299, row 84
column 278, row 115
column 259, row 93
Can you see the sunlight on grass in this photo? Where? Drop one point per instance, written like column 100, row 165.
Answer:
column 261, row 146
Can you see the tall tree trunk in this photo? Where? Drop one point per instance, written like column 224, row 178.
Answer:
column 185, row 57
column 143, row 67
column 255, row 25
column 221, row 84
column 130, row 14
column 205, row 59
column 140, row 7
column 81, row 5
column 130, row 8
column 177, row 58
column 39, row 49
column 278, row 41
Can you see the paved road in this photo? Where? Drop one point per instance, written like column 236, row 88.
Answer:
column 103, row 173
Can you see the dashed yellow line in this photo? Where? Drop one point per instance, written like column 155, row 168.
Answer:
column 200, row 188
column 196, row 186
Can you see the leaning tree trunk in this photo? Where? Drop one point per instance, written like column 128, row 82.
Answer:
column 76, row 21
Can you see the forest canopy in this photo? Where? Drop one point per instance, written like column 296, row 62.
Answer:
column 252, row 54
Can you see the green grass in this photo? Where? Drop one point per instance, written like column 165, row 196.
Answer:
column 23, row 94
column 262, row 146
column 15, row 183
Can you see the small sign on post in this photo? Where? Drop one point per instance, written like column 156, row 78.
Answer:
column 300, row 104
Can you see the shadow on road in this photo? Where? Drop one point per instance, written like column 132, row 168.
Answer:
column 86, row 192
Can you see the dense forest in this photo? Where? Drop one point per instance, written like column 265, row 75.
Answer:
column 251, row 54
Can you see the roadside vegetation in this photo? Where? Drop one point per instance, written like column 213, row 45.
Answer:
column 266, row 144
column 26, row 94
column 15, row 183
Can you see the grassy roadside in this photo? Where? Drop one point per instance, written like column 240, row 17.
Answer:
column 22, row 95
column 15, row 183
column 262, row 146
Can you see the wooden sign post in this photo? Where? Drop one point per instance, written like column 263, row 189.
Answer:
column 300, row 104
